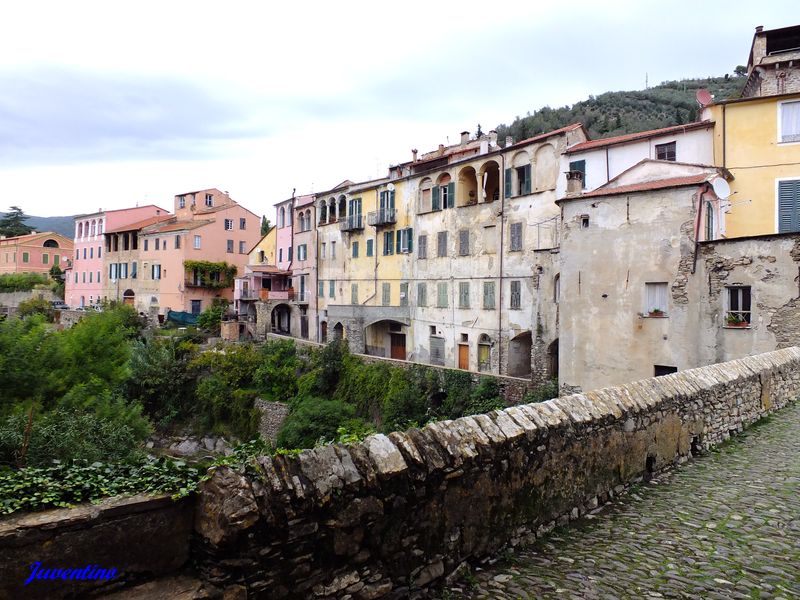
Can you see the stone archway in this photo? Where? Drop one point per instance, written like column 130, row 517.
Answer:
column 323, row 332
column 128, row 297
column 338, row 332
column 281, row 319
column 519, row 355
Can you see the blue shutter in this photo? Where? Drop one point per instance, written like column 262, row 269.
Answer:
column 435, row 197
column 397, row 242
column 451, row 194
column 508, row 183
column 789, row 206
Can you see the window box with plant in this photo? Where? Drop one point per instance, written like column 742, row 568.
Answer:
column 736, row 321
column 656, row 312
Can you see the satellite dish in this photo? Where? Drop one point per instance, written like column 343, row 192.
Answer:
column 704, row 97
column 721, row 188
column 390, row 187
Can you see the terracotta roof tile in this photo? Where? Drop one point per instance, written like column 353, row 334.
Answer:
column 141, row 224
column 645, row 186
column 632, row 137
column 179, row 226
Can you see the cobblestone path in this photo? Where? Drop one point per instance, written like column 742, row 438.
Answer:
column 724, row 526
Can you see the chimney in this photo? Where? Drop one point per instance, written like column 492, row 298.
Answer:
column 493, row 137
column 509, row 141
column 574, row 183
column 414, row 154
column 464, row 137
column 759, row 28
column 484, row 145
column 441, row 149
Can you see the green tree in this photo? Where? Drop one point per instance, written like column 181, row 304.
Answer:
column 36, row 306
column 13, row 223
column 264, row 225
column 740, row 71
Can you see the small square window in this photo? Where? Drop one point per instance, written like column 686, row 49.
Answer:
column 666, row 151
column 242, row 223
column 230, row 246
column 584, row 221
column 738, row 306
column 228, row 224
column 655, row 304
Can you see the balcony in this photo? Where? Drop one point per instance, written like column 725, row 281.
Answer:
column 246, row 295
column 352, row 223
column 384, row 216
column 277, row 294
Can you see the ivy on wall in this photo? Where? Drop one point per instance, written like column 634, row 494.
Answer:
column 214, row 275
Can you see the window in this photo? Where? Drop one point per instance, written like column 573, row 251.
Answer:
column 661, row 370
column 463, row 242
column 521, row 176
column 441, row 244
column 45, row 258
column 123, row 270
column 665, row 151
column 405, row 240
column 209, row 200
column 488, row 294
column 737, row 313
column 146, row 244
column 516, row 295
column 789, row 119
column 584, row 221
column 133, row 271
column 155, row 271
column 386, row 293
column 388, row 243
column 370, row 247
column 353, row 293
column 76, row 277
column 403, row 294
column 91, row 253
column 84, row 254
column 557, row 288
column 422, row 294
column 242, row 224
column 228, row 224
column 516, row 237
column 196, row 306
column 302, row 251
column 83, row 277
column 230, row 246
column 322, row 250
column 177, row 242
column 164, row 244
column 56, row 258
column 181, row 202
column 789, row 205
column 99, row 252
column 280, row 254
column 135, row 241
column 289, row 253
column 112, row 271
column 26, row 257
column 463, row 294
column 332, row 288
column 77, row 254
column 580, row 166
column 354, row 248
column 196, row 243
column 90, row 276
column 158, row 243
column 422, row 246
column 321, row 288
column 333, row 251
column 655, row 304
column 98, row 277
column 441, row 295
column 281, row 217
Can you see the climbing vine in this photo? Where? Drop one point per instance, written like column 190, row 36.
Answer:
column 215, row 275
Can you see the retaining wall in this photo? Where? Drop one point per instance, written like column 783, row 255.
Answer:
column 395, row 513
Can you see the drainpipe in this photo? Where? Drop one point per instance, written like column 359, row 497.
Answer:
column 697, row 226
column 501, row 178
column 724, row 136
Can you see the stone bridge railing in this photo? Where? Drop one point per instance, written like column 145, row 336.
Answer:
column 397, row 512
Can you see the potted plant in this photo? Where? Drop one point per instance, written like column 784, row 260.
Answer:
column 656, row 312
column 736, row 320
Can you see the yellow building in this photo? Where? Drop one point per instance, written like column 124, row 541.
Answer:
column 757, row 138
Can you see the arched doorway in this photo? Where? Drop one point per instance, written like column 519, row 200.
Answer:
column 489, row 182
column 281, row 319
column 323, row 332
column 338, row 331
column 386, row 338
column 519, row 355
column 128, row 297
column 467, row 190
column 484, row 353
column 552, row 360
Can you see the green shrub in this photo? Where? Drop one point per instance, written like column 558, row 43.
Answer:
column 485, row 397
column 313, row 419
column 276, row 377
column 22, row 282
column 36, row 306
column 546, row 391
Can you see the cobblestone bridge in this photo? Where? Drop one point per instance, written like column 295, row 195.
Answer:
column 724, row 526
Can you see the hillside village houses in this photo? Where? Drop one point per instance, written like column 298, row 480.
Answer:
column 34, row 253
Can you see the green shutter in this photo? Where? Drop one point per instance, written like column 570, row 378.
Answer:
column 410, row 240
column 451, row 194
column 789, row 206
column 527, row 189
column 508, row 183
column 397, row 242
column 435, row 197
column 391, row 199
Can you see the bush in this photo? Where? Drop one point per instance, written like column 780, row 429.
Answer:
column 22, row 282
column 276, row 377
column 546, row 391
column 313, row 419
column 211, row 317
column 485, row 397
column 36, row 306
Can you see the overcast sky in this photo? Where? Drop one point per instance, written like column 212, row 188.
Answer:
column 110, row 104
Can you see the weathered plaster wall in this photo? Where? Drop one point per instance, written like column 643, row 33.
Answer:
column 12, row 299
column 395, row 513
column 141, row 537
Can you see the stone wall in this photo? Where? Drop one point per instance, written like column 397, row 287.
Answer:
column 12, row 299
column 273, row 414
column 141, row 537
column 512, row 389
column 398, row 512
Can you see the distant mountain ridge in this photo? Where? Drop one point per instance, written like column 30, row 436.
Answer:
column 63, row 225
column 618, row 113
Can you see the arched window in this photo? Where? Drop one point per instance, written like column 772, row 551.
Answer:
column 323, row 212
column 94, row 228
column 425, row 194
column 281, row 217
column 308, row 220
column 556, row 288
column 80, row 230
column 342, row 212
column 484, row 353
column 50, row 244
column 100, row 227
column 332, row 210
column 301, row 222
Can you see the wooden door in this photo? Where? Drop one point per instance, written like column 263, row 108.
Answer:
column 463, row 356
column 399, row 346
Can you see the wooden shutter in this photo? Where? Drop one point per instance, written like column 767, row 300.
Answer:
column 422, row 294
column 410, row 239
column 437, row 351
column 398, row 240
column 451, row 194
column 391, row 199
column 508, row 183
column 441, row 295
column 528, row 178
column 789, row 206
column 488, row 294
column 463, row 242
column 441, row 239
column 422, row 246
column 435, row 197
column 463, row 294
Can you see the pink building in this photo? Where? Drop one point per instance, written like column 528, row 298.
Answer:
column 283, row 222
column 34, row 253
column 84, row 284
